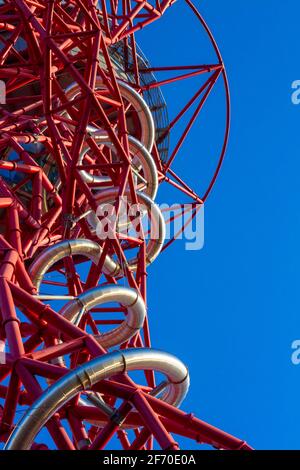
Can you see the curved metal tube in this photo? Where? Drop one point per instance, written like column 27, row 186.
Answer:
column 136, row 101
column 158, row 230
column 48, row 257
column 142, row 160
column 127, row 297
column 87, row 375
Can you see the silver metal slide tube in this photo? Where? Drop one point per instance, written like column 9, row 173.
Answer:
column 136, row 101
column 89, row 374
column 141, row 160
column 54, row 253
column 127, row 297
column 158, row 229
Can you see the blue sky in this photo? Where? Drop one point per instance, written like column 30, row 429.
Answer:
column 231, row 310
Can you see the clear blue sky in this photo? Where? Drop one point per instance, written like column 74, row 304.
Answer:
column 231, row 310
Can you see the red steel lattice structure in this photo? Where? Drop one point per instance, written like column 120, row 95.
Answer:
column 76, row 132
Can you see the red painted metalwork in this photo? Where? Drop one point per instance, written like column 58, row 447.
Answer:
column 46, row 46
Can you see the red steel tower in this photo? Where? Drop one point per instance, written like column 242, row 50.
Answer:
column 84, row 130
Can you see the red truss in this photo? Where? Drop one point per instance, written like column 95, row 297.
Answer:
column 85, row 124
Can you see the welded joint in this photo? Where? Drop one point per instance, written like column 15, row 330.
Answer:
column 8, row 320
column 134, row 302
column 84, row 379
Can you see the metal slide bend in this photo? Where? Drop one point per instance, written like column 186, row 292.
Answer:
column 136, row 101
column 141, row 160
column 54, row 253
column 158, row 229
column 127, row 297
column 89, row 374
